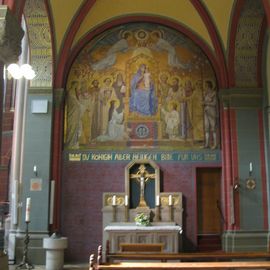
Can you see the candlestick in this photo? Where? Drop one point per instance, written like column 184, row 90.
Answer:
column 171, row 212
column 25, row 264
column 126, row 213
column 157, row 217
column 170, row 200
column 157, row 200
column 52, row 201
column 27, row 209
column 114, row 213
column 114, row 200
column 126, row 200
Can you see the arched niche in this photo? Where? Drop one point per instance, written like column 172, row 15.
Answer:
column 151, row 174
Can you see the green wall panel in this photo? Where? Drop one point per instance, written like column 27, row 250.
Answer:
column 37, row 151
column 251, row 207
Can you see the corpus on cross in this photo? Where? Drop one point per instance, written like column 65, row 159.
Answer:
column 142, row 176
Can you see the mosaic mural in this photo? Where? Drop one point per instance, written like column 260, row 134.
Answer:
column 141, row 86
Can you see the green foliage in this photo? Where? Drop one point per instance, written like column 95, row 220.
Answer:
column 142, row 219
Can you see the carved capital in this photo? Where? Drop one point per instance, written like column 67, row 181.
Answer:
column 241, row 98
column 11, row 35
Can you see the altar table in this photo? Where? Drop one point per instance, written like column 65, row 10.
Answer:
column 169, row 234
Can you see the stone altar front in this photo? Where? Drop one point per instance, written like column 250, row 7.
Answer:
column 166, row 233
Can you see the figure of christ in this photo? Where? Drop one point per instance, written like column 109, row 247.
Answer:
column 142, row 176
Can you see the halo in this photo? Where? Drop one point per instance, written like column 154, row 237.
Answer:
column 117, row 73
column 175, row 77
column 164, row 73
column 173, row 103
column 94, row 79
column 159, row 33
column 141, row 35
column 107, row 77
column 117, row 102
column 123, row 33
column 212, row 81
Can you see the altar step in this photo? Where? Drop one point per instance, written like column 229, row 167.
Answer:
column 209, row 242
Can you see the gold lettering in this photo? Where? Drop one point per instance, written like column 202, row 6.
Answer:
column 183, row 156
column 74, row 157
column 122, row 157
column 135, row 156
column 85, row 156
column 196, row 157
column 210, row 157
column 101, row 157
column 166, row 157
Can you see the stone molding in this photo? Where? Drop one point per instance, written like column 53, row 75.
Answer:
column 241, row 98
column 40, row 91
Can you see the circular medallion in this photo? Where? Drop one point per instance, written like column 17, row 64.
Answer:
column 142, row 131
column 250, row 183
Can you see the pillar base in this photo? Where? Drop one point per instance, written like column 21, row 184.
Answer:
column 245, row 241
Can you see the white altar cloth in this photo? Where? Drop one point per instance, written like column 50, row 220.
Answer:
column 143, row 228
column 127, row 232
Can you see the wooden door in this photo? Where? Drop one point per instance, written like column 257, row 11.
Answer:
column 209, row 215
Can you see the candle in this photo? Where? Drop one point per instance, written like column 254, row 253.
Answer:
column 126, row 200
column 35, row 169
column 114, row 200
column 52, row 201
column 250, row 166
column 157, row 200
column 27, row 210
column 170, row 200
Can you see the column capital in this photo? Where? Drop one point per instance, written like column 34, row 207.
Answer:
column 241, row 98
column 11, row 35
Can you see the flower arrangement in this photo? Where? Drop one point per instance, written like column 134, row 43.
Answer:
column 142, row 219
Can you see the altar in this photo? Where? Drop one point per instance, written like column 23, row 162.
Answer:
column 168, row 234
column 142, row 195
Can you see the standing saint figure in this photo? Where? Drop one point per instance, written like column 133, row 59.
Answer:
column 74, row 113
column 210, row 114
column 120, row 90
column 143, row 99
column 142, row 176
column 106, row 94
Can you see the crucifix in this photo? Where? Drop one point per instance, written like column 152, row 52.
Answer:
column 142, row 176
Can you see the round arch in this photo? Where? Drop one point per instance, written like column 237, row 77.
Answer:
column 220, row 73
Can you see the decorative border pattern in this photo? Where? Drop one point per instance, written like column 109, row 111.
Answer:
column 40, row 42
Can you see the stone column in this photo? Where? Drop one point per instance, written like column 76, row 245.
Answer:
column 57, row 152
column 11, row 35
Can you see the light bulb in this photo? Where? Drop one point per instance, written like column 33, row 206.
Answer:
column 15, row 71
column 28, row 71
column 30, row 75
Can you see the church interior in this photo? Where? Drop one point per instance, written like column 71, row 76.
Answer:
column 134, row 124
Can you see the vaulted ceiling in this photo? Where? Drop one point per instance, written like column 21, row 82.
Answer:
column 231, row 32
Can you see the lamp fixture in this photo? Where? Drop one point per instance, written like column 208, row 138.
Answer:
column 25, row 70
column 35, row 170
column 236, row 184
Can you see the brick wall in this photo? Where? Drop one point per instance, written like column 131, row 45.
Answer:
column 83, row 185
column 6, row 143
